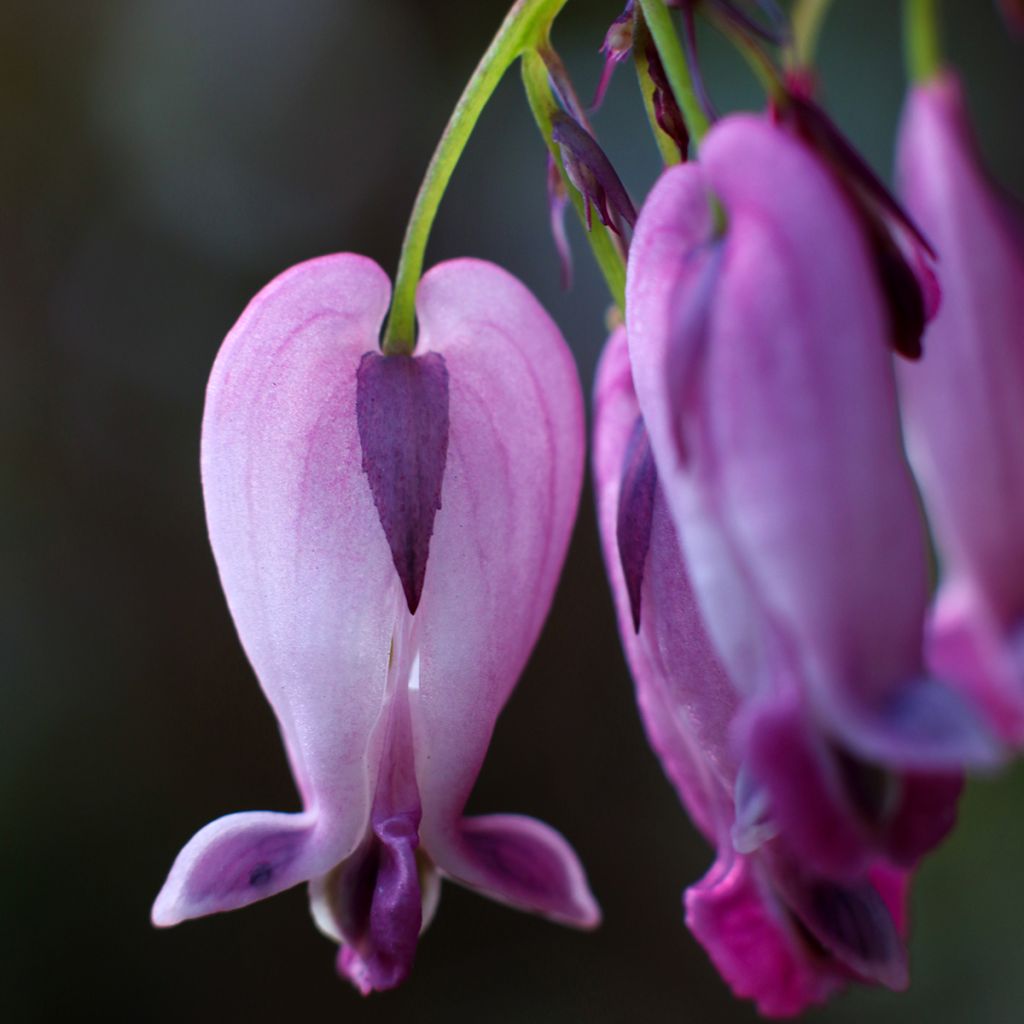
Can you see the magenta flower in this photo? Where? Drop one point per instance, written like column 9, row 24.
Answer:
column 780, row 933
column 389, row 532
column 758, row 338
column 964, row 404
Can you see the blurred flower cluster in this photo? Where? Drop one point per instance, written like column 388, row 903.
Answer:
column 807, row 379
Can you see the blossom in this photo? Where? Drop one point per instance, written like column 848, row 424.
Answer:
column 963, row 406
column 758, row 340
column 389, row 532
column 780, row 934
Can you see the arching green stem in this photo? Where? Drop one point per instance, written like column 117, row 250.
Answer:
column 921, row 39
column 807, row 18
column 673, row 59
column 602, row 243
column 526, row 24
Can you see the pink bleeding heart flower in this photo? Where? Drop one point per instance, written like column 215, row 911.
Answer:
column 758, row 340
column 389, row 532
column 779, row 933
column 963, row 405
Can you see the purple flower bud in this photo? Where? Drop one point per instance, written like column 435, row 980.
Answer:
column 618, row 41
column 780, row 933
column 593, row 176
column 389, row 532
column 760, row 363
column 963, row 403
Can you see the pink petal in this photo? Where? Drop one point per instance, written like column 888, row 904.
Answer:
column 510, row 494
column 962, row 404
column 752, row 948
column 304, row 565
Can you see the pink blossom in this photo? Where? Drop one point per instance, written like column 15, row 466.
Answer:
column 780, row 933
column 758, row 340
column 963, row 405
column 389, row 532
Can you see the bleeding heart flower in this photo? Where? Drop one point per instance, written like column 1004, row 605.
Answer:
column 758, row 339
column 779, row 932
column 963, row 405
column 389, row 532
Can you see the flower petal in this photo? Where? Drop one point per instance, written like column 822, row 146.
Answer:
column 510, row 493
column 237, row 860
column 302, row 558
column 751, row 947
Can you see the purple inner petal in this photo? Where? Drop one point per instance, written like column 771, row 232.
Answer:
column 402, row 415
column 635, row 513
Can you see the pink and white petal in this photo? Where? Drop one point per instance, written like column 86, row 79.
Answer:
column 509, row 499
column 237, row 860
column 301, row 553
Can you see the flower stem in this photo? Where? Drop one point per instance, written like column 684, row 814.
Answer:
column 524, row 26
column 807, row 18
column 921, row 39
column 544, row 106
column 673, row 59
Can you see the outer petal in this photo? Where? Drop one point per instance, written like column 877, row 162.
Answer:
column 306, row 569
column 509, row 499
column 795, row 506
column 962, row 405
column 685, row 698
column 752, row 947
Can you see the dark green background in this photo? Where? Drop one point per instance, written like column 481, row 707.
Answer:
column 159, row 161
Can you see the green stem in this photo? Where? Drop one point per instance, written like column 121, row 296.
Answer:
column 807, row 18
column 526, row 24
column 921, row 39
column 544, row 106
column 673, row 59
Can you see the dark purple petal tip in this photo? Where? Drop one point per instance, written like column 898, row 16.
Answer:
column 635, row 514
column 402, row 416
column 378, row 905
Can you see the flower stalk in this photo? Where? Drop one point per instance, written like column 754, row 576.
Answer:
column 525, row 25
column 922, row 40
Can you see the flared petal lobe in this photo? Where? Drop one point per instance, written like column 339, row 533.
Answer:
column 962, row 405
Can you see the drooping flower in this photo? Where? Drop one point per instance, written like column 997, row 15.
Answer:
column 963, row 405
column 758, row 339
column 780, row 933
column 389, row 532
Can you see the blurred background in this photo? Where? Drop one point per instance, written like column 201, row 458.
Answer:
column 160, row 160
